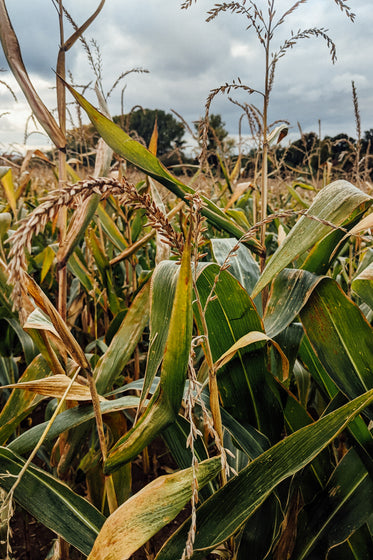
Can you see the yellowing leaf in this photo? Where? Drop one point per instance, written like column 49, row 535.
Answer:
column 8, row 186
column 55, row 386
column 49, row 255
column 143, row 515
column 251, row 338
column 59, row 324
column 153, row 144
column 363, row 225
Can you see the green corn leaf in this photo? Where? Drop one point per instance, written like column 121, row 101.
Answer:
column 315, row 367
column 362, row 285
column 163, row 287
column 289, row 293
column 65, row 421
column 341, row 337
column 124, row 342
column 335, row 203
column 242, row 264
column 175, row 437
column 27, row 344
column 245, row 385
column 138, row 155
column 51, row 502
column 20, row 403
column 111, row 229
column 358, row 546
column 165, row 403
column 343, row 506
column 79, row 268
column 221, row 515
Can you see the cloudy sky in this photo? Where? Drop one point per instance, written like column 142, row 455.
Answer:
column 187, row 57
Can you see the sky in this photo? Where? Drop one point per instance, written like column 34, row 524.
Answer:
column 186, row 57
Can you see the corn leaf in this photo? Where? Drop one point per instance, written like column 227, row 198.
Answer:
column 289, row 293
column 166, row 401
column 221, row 515
column 145, row 513
column 124, row 342
column 13, row 55
column 20, row 403
column 245, row 385
column 335, row 203
column 111, row 229
column 142, row 158
column 251, row 338
column 341, row 337
column 51, row 502
column 54, row 386
column 59, row 324
column 9, row 190
column 343, row 506
column 242, row 265
column 362, row 285
column 66, row 420
column 163, row 287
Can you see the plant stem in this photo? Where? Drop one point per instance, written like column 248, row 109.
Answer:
column 213, row 384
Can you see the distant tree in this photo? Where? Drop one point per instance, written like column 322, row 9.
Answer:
column 302, row 152
column 367, row 141
column 141, row 122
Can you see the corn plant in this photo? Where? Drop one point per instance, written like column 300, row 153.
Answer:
column 266, row 410
column 284, row 394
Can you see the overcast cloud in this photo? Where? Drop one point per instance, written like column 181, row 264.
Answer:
column 187, row 57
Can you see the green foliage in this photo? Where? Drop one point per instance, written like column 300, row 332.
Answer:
column 260, row 372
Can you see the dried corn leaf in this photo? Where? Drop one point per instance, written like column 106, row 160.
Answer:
column 55, row 386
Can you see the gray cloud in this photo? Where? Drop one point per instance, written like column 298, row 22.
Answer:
column 187, row 57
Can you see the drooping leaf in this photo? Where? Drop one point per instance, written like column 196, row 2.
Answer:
column 59, row 324
column 20, row 403
column 343, row 506
column 66, row 420
column 222, row 514
column 145, row 513
column 334, row 203
column 137, row 154
column 13, row 55
column 341, row 337
column 252, row 338
column 51, row 502
column 55, row 386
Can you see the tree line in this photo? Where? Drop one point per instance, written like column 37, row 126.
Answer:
column 308, row 153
